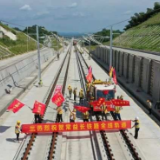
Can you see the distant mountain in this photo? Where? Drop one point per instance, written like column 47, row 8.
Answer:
column 71, row 34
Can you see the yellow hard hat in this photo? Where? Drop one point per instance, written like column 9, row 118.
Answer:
column 18, row 122
column 81, row 89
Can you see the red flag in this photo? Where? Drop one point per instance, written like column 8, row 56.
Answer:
column 114, row 76
column 15, row 106
column 39, row 108
column 100, row 101
column 110, row 108
column 118, row 102
column 94, row 103
column 58, row 99
column 89, row 77
column 97, row 108
column 82, row 108
column 90, row 69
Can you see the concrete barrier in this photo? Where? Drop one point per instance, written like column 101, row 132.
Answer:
column 13, row 74
column 143, row 72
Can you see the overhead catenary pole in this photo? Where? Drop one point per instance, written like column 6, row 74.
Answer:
column 111, row 38
column 38, row 51
column 27, row 39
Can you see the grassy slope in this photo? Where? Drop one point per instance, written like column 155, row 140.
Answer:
column 16, row 47
column 144, row 36
column 55, row 44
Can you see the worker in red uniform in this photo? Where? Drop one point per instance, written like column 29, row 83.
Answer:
column 136, row 126
column 18, row 130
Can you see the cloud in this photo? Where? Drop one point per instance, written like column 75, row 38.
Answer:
column 79, row 14
column 73, row 5
column 42, row 14
column 127, row 12
column 26, row 7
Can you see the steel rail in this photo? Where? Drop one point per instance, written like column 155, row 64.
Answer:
column 33, row 136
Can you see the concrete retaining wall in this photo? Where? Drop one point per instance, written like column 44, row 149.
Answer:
column 135, row 69
column 13, row 74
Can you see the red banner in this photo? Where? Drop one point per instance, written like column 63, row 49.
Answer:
column 58, row 99
column 77, row 126
column 39, row 108
column 118, row 102
column 82, row 108
column 15, row 106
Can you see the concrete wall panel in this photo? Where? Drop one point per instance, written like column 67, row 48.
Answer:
column 137, row 71
column 146, row 74
column 131, row 67
column 156, row 80
column 125, row 68
column 121, row 63
column 114, row 58
column 117, row 61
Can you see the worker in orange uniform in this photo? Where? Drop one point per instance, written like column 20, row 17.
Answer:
column 73, row 115
column 85, row 116
column 137, row 127
column 75, row 93
column 59, row 114
column 18, row 129
column 117, row 112
column 70, row 91
column 104, row 111
column 81, row 96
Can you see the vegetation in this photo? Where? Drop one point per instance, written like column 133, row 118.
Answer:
column 56, row 44
column 141, row 17
column 145, row 36
column 42, row 32
column 9, row 47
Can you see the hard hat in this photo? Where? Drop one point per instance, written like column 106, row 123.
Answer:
column 81, row 89
column 74, row 110
column 18, row 122
column 137, row 118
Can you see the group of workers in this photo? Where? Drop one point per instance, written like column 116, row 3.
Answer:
column 74, row 91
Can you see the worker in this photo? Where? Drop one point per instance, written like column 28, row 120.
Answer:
column 136, row 126
column 118, row 97
column 40, row 119
column 17, row 129
column 117, row 112
column 88, row 90
column 73, row 115
column 81, row 96
column 121, row 97
column 75, row 93
column 59, row 114
column 149, row 106
column 85, row 116
column 37, row 117
column 40, row 83
column 58, row 56
column 70, row 91
column 104, row 111
column 157, row 105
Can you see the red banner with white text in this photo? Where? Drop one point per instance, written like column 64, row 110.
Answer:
column 77, row 126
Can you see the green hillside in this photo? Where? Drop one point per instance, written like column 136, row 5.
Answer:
column 145, row 36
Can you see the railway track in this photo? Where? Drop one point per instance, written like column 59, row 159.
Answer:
column 130, row 147
column 34, row 142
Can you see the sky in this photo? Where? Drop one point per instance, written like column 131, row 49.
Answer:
column 83, row 16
